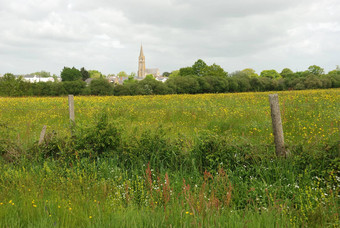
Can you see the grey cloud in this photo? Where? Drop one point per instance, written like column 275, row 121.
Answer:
column 106, row 35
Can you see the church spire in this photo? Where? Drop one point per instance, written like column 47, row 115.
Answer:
column 141, row 64
column 141, row 51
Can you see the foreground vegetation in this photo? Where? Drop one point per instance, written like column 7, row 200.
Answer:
column 160, row 161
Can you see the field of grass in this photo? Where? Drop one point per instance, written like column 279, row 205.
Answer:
column 170, row 161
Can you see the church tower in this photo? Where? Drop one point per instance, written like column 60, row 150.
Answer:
column 141, row 64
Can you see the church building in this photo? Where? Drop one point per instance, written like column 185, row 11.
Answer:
column 142, row 71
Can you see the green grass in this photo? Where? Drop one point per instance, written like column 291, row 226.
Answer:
column 170, row 161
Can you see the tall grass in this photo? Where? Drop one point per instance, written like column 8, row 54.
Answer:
column 170, row 161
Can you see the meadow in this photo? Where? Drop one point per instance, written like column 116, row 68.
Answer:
column 203, row 160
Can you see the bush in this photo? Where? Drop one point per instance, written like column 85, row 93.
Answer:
column 74, row 87
column 101, row 139
column 101, row 87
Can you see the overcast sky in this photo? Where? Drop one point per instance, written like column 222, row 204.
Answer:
column 106, row 35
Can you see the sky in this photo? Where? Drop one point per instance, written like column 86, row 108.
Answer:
column 105, row 35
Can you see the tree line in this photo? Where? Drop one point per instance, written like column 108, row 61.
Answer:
column 198, row 78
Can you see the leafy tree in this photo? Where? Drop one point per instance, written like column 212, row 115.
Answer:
column 42, row 88
column 84, row 73
column 9, row 85
column 335, row 72
column 267, row 83
column 122, row 74
column 326, row 82
column 335, row 80
column 233, row 85
column 70, row 74
column 301, row 74
column 131, row 80
column 287, row 73
column 273, row 74
column 74, row 87
column 198, row 67
column 174, row 73
column 166, row 74
column 150, row 76
column 238, row 73
column 133, row 74
column 256, row 84
column 150, row 86
column 213, row 70
column 312, row 82
column 281, row 85
column 185, row 71
column 95, row 74
column 101, row 87
column 243, row 84
column 57, row 89
column 121, row 90
column 249, row 72
column 316, row 70
column 216, row 84
column 180, row 84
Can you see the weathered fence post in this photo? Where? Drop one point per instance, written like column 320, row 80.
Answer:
column 71, row 111
column 42, row 134
column 277, row 126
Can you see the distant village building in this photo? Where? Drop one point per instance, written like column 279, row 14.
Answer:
column 35, row 78
column 161, row 78
column 142, row 71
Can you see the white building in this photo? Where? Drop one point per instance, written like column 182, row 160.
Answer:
column 36, row 78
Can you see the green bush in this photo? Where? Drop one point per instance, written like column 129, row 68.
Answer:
column 101, row 139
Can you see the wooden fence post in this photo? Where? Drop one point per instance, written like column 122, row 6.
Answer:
column 277, row 126
column 71, row 111
column 42, row 134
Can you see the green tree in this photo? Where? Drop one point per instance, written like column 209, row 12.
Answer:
column 166, row 74
column 100, row 86
column 233, row 85
column 121, row 90
column 316, row 70
column 287, row 73
column 122, row 74
column 273, row 74
column 243, row 84
column 249, row 72
column 150, row 76
column 256, row 84
column 131, row 80
column 9, row 85
column 185, row 71
column 174, row 73
column 84, row 73
column 213, row 70
column 74, row 87
column 95, row 74
column 335, row 72
column 149, row 86
column 70, row 74
column 216, row 84
column 198, row 67
column 183, row 84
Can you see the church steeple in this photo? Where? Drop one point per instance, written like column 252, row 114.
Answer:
column 141, row 64
column 141, row 51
